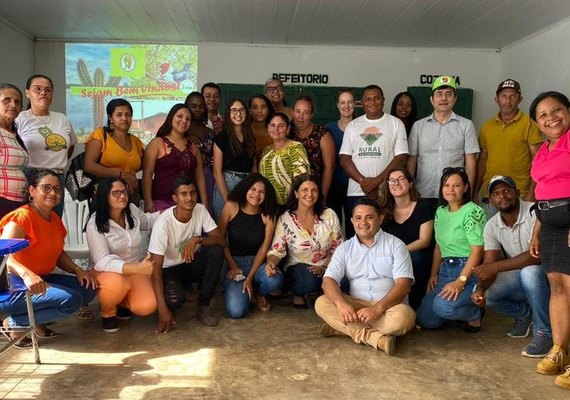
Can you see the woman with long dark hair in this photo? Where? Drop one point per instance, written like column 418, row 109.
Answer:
column 114, row 239
column 260, row 108
column 306, row 235
column 248, row 222
column 169, row 155
column 235, row 152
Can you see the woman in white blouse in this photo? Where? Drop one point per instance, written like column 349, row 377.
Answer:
column 114, row 238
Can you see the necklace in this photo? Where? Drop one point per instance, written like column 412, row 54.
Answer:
column 42, row 119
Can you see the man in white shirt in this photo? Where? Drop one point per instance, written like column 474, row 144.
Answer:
column 183, row 255
column 378, row 268
column 515, row 286
column 372, row 145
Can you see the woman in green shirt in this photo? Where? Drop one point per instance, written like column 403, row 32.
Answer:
column 458, row 226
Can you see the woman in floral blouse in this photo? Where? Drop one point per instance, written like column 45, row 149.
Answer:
column 307, row 233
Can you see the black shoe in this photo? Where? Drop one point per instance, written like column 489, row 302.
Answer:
column 474, row 329
column 300, row 306
column 110, row 325
column 124, row 313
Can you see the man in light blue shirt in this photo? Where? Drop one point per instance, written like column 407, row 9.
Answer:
column 379, row 270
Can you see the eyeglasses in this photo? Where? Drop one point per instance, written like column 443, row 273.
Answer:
column 38, row 89
column 117, row 193
column 504, row 192
column 47, row 188
column 399, row 180
column 451, row 170
column 273, row 89
column 235, row 111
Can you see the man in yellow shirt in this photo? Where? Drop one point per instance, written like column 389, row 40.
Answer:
column 508, row 142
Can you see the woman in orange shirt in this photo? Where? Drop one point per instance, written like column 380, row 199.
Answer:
column 55, row 296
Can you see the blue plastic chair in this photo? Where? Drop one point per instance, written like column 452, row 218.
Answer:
column 16, row 284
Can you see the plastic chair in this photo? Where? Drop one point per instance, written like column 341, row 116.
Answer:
column 10, row 246
column 75, row 214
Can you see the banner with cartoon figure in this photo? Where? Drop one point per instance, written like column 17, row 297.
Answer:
column 152, row 77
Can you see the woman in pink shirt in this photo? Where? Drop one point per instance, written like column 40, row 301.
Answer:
column 551, row 236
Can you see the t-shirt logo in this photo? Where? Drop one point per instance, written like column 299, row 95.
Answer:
column 54, row 141
column 370, row 135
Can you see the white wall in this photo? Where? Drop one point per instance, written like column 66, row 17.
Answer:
column 540, row 63
column 17, row 60
column 391, row 68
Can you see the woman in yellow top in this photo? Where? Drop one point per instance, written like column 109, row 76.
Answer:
column 111, row 151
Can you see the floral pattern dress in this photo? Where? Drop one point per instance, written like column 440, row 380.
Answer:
column 312, row 144
column 300, row 246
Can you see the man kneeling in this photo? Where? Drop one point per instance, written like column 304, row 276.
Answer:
column 379, row 270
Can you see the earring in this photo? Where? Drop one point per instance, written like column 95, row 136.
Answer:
column 30, row 198
column 111, row 126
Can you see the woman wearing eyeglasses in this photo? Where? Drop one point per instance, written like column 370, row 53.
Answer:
column 55, row 296
column 48, row 135
column 114, row 238
column 551, row 236
column 410, row 219
column 168, row 156
column 13, row 154
column 235, row 153
column 458, row 226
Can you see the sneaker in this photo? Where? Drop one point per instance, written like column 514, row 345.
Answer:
column 521, row 328
column 109, row 325
column 205, row 316
column 538, row 347
column 387, row 343
column 326, row 330
column 564, row 380
column 554, row 361
column 124, row 313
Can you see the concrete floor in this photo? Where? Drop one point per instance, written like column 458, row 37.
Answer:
column 275, row 355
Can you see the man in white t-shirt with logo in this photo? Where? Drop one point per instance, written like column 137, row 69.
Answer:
column 372, row 145
column 183, row 255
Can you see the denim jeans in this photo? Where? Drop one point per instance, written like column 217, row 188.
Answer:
column 302, row 281
column 232, row 179
column 519, row 293
column 421, row 262
column 63, row 297
column 237, row 302
column 435, row 310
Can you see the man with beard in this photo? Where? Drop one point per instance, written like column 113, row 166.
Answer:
column 511, row 281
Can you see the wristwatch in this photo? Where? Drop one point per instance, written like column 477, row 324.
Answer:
column 463, row 279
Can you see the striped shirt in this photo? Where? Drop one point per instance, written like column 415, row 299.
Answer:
column 13, row 160
column 438, row 146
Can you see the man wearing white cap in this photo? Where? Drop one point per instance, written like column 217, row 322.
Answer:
column 440, row 140
column 508, row 143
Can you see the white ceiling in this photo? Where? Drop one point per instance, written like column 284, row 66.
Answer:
column 395, row 23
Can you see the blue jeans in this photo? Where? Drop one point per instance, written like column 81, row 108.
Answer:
column 421, row 262
column 519, row 293
column 434, row 310
column 232, row 179
column 237, row 302
column 302, row 281
column 63, row 297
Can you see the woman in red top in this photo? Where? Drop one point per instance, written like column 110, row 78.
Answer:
column 551, row 236
column 55, row 296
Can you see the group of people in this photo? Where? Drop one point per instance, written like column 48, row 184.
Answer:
column 439, row 222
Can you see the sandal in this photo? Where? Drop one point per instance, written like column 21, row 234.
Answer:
column 262, row 304
column 48, row 334
column 467, row 327
column 24, row 343
column 85, row 314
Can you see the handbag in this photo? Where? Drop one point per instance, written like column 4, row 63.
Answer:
column 79, row 183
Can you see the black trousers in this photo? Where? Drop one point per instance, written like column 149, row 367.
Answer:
column 206, row 267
